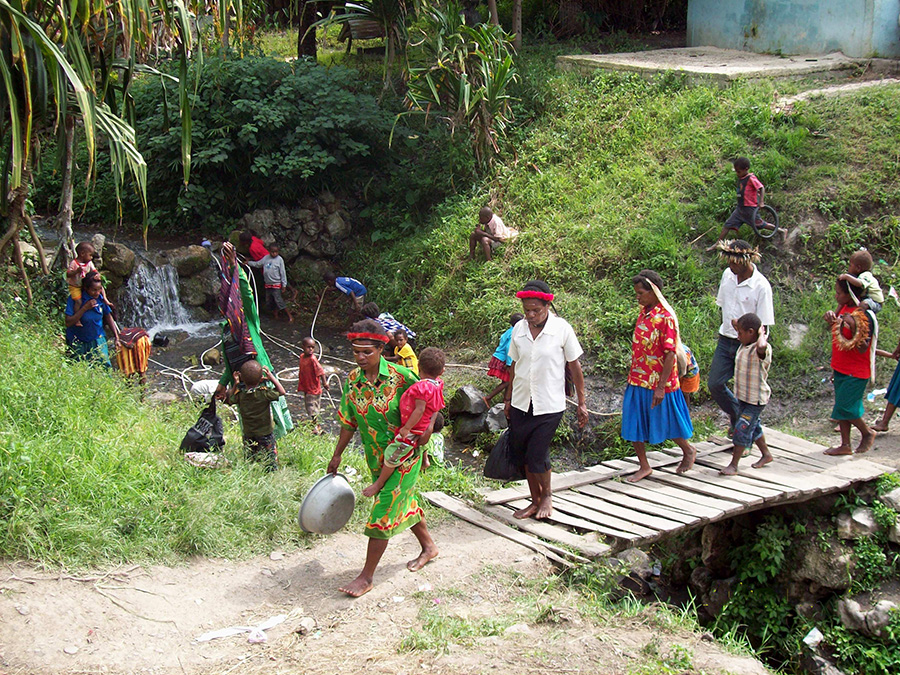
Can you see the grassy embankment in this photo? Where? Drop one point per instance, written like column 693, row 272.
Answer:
column 612, row 174
column 89, row 476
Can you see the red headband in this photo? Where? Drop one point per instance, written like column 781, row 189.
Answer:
column 368, row 336
column 548, row 297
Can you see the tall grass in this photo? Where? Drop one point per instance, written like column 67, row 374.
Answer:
column 613, row 173
column 89, row 475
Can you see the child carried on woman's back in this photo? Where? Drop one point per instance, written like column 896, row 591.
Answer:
column 418, row 406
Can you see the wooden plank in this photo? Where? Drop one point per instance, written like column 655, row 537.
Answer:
column 781, row 437
column 565, row 518
column 793, row 465
column 612, row 526
column 470, row 515
column 795, row 477
column 745, row 485
column 712, row 485
column 810, row 461
column 773, row 481
column 551, row 532
column 651, row 505
column 860, row 470
column 687, row 502
column 557, row 482
column 602, row 510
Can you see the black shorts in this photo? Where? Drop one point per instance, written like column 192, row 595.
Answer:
column 530, row 437
column 741, row 215
column 262, row 449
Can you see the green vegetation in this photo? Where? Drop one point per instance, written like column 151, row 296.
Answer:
column 90, row 476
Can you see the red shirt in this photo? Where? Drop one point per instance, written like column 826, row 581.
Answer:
column 257, row 249
column 309, row 375
column 851, row 362
column 654, row 336
column 750, row 190
column 430, row 391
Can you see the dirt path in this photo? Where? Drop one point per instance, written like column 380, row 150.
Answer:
column 475, row 609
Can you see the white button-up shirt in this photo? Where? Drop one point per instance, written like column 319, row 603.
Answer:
column 540, row 365
column 754, row 294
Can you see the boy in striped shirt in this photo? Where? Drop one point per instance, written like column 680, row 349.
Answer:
column 751, row 388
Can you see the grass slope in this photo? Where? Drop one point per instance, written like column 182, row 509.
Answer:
column 614, row 174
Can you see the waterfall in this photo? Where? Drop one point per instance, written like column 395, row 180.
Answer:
column 151, row 301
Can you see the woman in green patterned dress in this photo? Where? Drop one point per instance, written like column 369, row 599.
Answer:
column 371, row 404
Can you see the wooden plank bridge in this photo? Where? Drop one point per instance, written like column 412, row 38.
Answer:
column 594, row 513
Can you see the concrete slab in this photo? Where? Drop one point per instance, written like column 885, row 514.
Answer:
column 721, row 65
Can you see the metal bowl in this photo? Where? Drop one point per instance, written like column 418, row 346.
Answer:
column 327, row 506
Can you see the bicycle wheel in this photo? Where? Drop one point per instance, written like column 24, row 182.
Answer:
column 766, row 222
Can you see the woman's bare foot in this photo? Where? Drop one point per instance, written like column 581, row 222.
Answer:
column 545, row 508
column 879, row 426
column 839, row 450
column 762, row 461
column 527, row 512
column 729, row 470
column 358, row 587
column 866, row 443
column 687, row 462
column 426, row 556
column 640, row 474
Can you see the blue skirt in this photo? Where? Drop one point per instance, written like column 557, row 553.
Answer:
column 643, row 424
column 893, row 392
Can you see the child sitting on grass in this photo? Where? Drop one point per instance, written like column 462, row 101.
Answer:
column 403, row 352
column 864, row 284
column 254, row 400
column 418, row 406
column 751, row 388
column 854, row 333
column 311, row 381
column 500, row 362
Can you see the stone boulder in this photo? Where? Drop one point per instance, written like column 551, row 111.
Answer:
column 857, row 524
column 718, row 543
column 891, row 499
column 199, row 289
column 467, row 400
column 495, row 420
column 700, row 581
column 719, row 594
column 187, row 260
column 212, row 357
column 467, row 427
column 337, row 227
column 635, row 561
column 894, row 532
column 869, row 623
column 831, row 568
column 260, row 221
column 118, row 259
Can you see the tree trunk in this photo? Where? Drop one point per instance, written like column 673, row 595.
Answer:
column 17, row 220
column 306, row 41
column 226, row 21
column 517, row 24
column 64, row 218
column 495, row 17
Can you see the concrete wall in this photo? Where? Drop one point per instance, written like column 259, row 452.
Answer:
column 859, row 28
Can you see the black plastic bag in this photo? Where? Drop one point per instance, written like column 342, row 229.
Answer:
column 207, row 435
column 499, row 465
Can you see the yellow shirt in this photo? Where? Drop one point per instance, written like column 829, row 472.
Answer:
column 408, row 357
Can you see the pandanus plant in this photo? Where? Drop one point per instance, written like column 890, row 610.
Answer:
column 463, row 75
column 69, row 66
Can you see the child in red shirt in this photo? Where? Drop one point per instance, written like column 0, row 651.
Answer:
column 750, row 196
column 418, row 406
column 311, row 381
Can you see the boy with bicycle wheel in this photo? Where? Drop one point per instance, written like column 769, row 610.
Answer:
column 750, row 196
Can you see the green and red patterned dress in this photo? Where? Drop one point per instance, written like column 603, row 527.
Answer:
column 374, row 409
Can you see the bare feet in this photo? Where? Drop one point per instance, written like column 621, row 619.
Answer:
column 687, row 462
column 358, row 587
column 839, row 450
column 425, row 461
column 426, row 556
column 545, row 508
column 866, row 443
column 762, row 461
column 640, row 474
column 527, row 512
column 878, row 426
column 486, row 402
column 729, row 470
